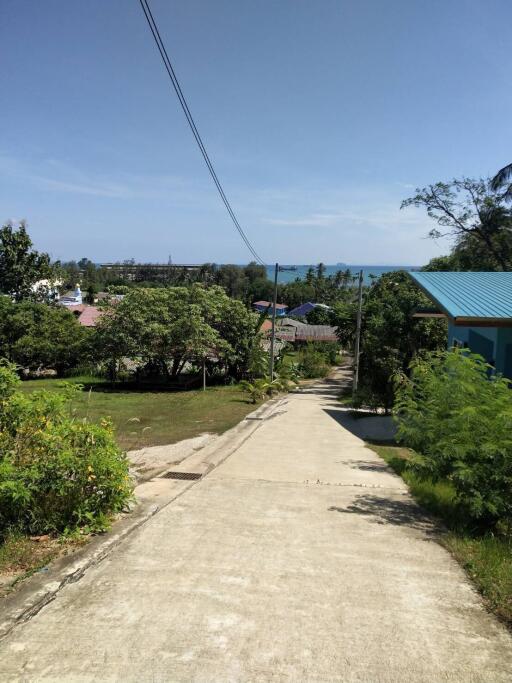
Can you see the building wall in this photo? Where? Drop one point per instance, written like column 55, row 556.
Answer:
column 504, row 352
column 280, row 312
column 493, row 343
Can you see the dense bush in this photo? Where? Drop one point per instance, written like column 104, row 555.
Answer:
column 330, row 350
column 311, row 362
column 56, row 472
column 458, row 416
column 390, row 335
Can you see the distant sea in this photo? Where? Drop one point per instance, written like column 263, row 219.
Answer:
column 368, row 271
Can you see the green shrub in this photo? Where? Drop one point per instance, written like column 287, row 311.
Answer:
column 260, row 388
column 330, row 351
column 56, row 472
column 38, row 336
column 312, row 363
column 458, row 415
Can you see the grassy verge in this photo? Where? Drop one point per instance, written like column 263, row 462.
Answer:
column 22, row 556
column 487, row 560
column 145, row 417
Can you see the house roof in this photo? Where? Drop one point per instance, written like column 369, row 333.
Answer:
column 306, row 308
column 293, row 330
column 90, row 316
column 316, row 333
column 266, row 304
column 290, row 322
column 76, row 308
column 469, row 297
column 303, row 309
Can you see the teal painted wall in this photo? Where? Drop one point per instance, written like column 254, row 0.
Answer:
column 494, row 343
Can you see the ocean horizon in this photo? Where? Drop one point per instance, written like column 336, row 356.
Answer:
column 300, row 271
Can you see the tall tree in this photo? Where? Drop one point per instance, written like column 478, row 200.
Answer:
column 167, row 328
column 21, row 266
column 469, row 211
column 390, row 335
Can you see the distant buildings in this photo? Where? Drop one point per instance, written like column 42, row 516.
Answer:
column 47, row 289
column 266, row 306
column 71, row 298
column 87, row 315
column 298, row 333
column 302, row 310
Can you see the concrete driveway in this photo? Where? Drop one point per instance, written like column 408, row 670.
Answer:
column 300, row 558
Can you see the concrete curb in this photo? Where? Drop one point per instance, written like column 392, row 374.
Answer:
column 43, row 587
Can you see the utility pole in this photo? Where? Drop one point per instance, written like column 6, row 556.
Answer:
column 273, row 335
column 358, row 333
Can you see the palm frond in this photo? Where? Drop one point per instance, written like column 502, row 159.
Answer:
column 503, row 177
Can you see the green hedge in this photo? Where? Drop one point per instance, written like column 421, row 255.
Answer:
column 56, row 472
column 457, row 414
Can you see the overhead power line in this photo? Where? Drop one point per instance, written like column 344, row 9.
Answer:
column 177, row 88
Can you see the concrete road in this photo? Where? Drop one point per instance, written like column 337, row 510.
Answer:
column 300, row 558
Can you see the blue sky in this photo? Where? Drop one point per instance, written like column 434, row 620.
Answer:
column 320, row 117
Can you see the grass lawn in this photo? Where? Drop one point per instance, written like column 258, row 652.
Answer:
column 149, row 418
column 487, row 560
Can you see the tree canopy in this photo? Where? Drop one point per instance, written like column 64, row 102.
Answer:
column 475, row 216
column 390, row 335
column 36, row 335
column 164, row 329
column 21, row 266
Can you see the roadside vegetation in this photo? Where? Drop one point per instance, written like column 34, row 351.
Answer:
column 487, row 558
column 60, row 477
column 57, row 473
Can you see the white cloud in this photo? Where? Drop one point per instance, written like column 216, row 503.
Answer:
column 56, row 176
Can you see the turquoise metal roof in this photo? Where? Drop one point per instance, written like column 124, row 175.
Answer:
column 469, row 295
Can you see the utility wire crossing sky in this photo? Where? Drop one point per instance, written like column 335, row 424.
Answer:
column 321, row 117
column 168, row 65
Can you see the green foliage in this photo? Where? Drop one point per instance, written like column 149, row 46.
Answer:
column 259, row 360
column 318, row 288
column 458, row 415
column 56, row 472
column 287, row 369
column 312, row 362
column 502, row 182
column 390, row 335
column 21, row 266
column 260, row 388
column 329, row 349
column 475, row 215
column 34, row 336
column 166, row 328
column 91, row 294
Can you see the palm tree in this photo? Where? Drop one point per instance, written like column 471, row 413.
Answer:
column 503, row 179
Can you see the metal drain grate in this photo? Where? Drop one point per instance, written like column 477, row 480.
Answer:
column 182, row 475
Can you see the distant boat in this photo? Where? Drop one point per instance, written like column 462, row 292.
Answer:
column 343, row 265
